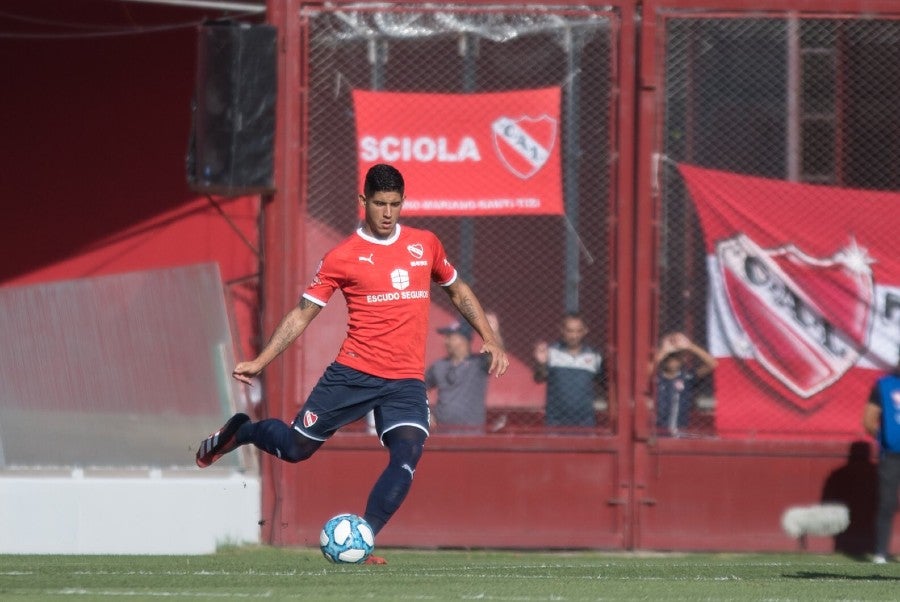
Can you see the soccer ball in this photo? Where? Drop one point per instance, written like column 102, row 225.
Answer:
column 347, row 538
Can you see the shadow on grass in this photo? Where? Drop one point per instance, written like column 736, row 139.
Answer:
column 821, row 575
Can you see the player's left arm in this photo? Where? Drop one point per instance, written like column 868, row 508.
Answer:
column 871, row 421
column 464, row 300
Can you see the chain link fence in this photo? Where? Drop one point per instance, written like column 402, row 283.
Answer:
column 778, row 167
column 528, row 269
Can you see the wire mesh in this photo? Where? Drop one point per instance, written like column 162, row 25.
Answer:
column 529, row 270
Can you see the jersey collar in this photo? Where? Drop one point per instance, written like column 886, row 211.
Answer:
column 379, row 241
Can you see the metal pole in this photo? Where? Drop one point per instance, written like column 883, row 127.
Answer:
column 377, row 59
column 792, row 142
column 282, row 216
column 468, row 48
column 571, row 163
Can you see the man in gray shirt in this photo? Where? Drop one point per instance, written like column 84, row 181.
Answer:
column 461, row 381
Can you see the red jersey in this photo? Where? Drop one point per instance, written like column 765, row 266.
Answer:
column 387, row 285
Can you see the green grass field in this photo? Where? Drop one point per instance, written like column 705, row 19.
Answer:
column 290, row 574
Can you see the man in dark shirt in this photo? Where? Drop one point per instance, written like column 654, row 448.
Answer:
column 571, row 369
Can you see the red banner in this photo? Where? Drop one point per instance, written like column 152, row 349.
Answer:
column 466, row 154
column 804, row 308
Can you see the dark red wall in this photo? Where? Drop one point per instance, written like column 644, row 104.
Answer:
column 94, row 134
column 729, row 495
column 95, row 129
column 572, row 492
column 507, row 492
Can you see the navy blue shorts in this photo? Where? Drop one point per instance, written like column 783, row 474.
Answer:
column 344, row 395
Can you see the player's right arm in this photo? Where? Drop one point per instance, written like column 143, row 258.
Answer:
column 463, row 298
column 292, row 326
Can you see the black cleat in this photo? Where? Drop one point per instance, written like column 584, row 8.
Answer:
column 221, row 442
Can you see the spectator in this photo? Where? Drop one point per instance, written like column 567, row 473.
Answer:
column 677, row 381
column 571, row 370
column 460, row 379
column 881, row 419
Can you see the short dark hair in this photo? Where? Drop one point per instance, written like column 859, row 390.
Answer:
column 573, row 315
column 383, row 178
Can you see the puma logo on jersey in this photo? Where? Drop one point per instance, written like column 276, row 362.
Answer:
column 368, row 259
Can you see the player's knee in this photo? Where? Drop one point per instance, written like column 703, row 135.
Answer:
column 406, row 452
column 300, row 449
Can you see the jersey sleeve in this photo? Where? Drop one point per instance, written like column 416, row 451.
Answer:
column 325, row 282
column 442, row 271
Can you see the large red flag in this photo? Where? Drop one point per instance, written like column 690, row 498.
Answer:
column 804, row 308
column 466, row 154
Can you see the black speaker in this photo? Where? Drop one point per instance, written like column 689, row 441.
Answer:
column 233, row 127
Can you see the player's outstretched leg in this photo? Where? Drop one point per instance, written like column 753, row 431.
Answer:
column 221, row 442
column 270, row 435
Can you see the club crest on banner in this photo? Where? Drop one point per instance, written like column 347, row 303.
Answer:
column 805, row 320
column 523, row 145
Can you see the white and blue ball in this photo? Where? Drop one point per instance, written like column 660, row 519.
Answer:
column 347, row 538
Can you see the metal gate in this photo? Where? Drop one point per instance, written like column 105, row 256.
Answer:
column 762, row 93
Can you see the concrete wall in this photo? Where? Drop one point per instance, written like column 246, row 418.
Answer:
column 149, row 513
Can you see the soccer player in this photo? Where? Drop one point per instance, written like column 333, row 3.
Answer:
column 384, row 272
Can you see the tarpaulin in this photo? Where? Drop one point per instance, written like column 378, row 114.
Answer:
column 804, row 302
column 492, row 153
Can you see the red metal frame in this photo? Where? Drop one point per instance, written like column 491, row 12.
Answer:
column 737, row 488
column 656, row 485
column 755, row 7
column 282, row 213
column 622, row 317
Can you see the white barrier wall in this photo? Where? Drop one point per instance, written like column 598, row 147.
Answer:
column 149, row 513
